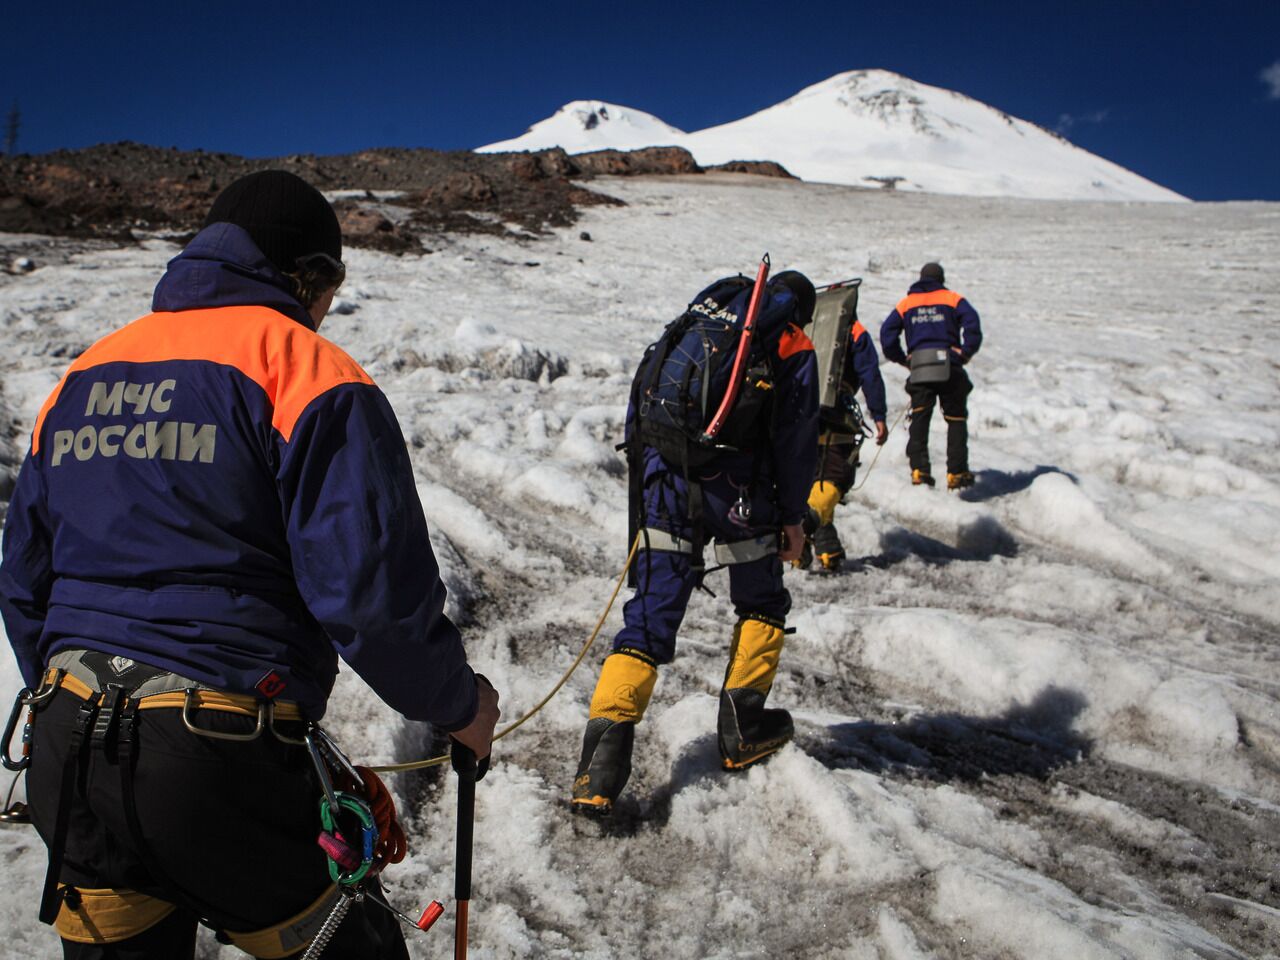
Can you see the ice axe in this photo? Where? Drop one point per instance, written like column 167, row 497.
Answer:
column 468, row 771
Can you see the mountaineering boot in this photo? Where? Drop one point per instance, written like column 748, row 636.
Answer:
column 746, row 730
column 958, row 481
column 605, row 765
column 919, row 477
column 622, row 693
column 827, row 547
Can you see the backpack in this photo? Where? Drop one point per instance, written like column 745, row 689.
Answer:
column 683, row 376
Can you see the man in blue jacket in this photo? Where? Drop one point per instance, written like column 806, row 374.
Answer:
column 753, row 502
column 217, row 504
column 839, row 443
column 938, row 324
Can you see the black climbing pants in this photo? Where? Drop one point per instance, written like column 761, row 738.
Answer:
column 228, row 830
column 953, row 396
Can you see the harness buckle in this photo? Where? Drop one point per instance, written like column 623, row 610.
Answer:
column 104, row 724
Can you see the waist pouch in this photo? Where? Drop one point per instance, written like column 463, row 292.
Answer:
column 930, row 365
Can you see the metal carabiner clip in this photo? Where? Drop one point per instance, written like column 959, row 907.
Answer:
column 322, row 769
column 28, row 699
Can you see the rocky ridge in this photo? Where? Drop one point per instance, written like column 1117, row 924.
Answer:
column 390, row 199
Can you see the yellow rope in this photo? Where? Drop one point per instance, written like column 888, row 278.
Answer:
column 879, row 449
column 436, row 761
column 444, row 758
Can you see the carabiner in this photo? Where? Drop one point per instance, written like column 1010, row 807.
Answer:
column 30, row 700
column 368, row 835
column 19, row 704
column 322, row 771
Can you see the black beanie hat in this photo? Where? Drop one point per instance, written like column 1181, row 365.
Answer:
column 286, row 217
column 802, row 289
column 933, row 271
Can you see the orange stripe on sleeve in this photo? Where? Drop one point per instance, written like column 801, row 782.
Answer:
column 856, row 332
column 292, row 364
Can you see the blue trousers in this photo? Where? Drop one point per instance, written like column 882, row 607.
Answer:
column 665, row 580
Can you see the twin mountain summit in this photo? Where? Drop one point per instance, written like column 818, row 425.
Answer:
column 866, row 128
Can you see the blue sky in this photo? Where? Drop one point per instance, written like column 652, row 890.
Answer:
column 1187, row 94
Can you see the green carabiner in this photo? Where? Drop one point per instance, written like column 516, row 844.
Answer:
column 368, row 835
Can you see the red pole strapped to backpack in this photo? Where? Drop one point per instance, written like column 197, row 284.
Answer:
column 740, row 361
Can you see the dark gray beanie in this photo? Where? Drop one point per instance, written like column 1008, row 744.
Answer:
column 286, row 217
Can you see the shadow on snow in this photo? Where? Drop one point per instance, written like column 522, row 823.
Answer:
column 989, row 484
column 1029, row 740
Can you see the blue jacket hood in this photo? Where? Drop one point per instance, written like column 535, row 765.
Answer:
column 223, row 267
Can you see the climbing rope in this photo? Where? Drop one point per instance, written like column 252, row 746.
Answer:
column 617, row 587
column 879, row 449
column 436, row 761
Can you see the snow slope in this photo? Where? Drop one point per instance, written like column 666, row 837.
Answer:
column 1038, row 720
column 866, row 127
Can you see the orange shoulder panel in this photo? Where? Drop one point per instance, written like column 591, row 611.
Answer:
column 794, row 340
column 935, row 298
column 856, row 332
column 292, row 364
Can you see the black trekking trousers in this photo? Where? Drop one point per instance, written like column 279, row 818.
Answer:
column 228, row 831
column 837, row 464
column 953, row 396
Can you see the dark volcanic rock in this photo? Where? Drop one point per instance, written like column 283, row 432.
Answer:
column 123, row 190
column 760, row 168
column 630, row 163
column 116, row 191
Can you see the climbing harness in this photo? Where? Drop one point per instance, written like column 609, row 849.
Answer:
column 106, row 711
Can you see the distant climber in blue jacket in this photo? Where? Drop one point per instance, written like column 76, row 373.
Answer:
column 942, row 334
column 217, row 504
column 751, row 500
column 839, row 443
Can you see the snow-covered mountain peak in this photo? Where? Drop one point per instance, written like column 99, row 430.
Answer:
column 866, row 127
column 583, row 125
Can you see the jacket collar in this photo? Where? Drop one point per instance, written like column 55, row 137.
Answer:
column 222, row 267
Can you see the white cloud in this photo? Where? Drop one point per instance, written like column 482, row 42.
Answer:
column 1271, row 77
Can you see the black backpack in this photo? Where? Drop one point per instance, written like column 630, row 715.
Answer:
column 682, row 379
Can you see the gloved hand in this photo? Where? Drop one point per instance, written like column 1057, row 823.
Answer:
column 478, row 734
column 792, row 542
column 882, row 433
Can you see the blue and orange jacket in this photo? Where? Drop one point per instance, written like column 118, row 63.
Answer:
column 932, row 316
column 862, row 370
column 217, row 490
